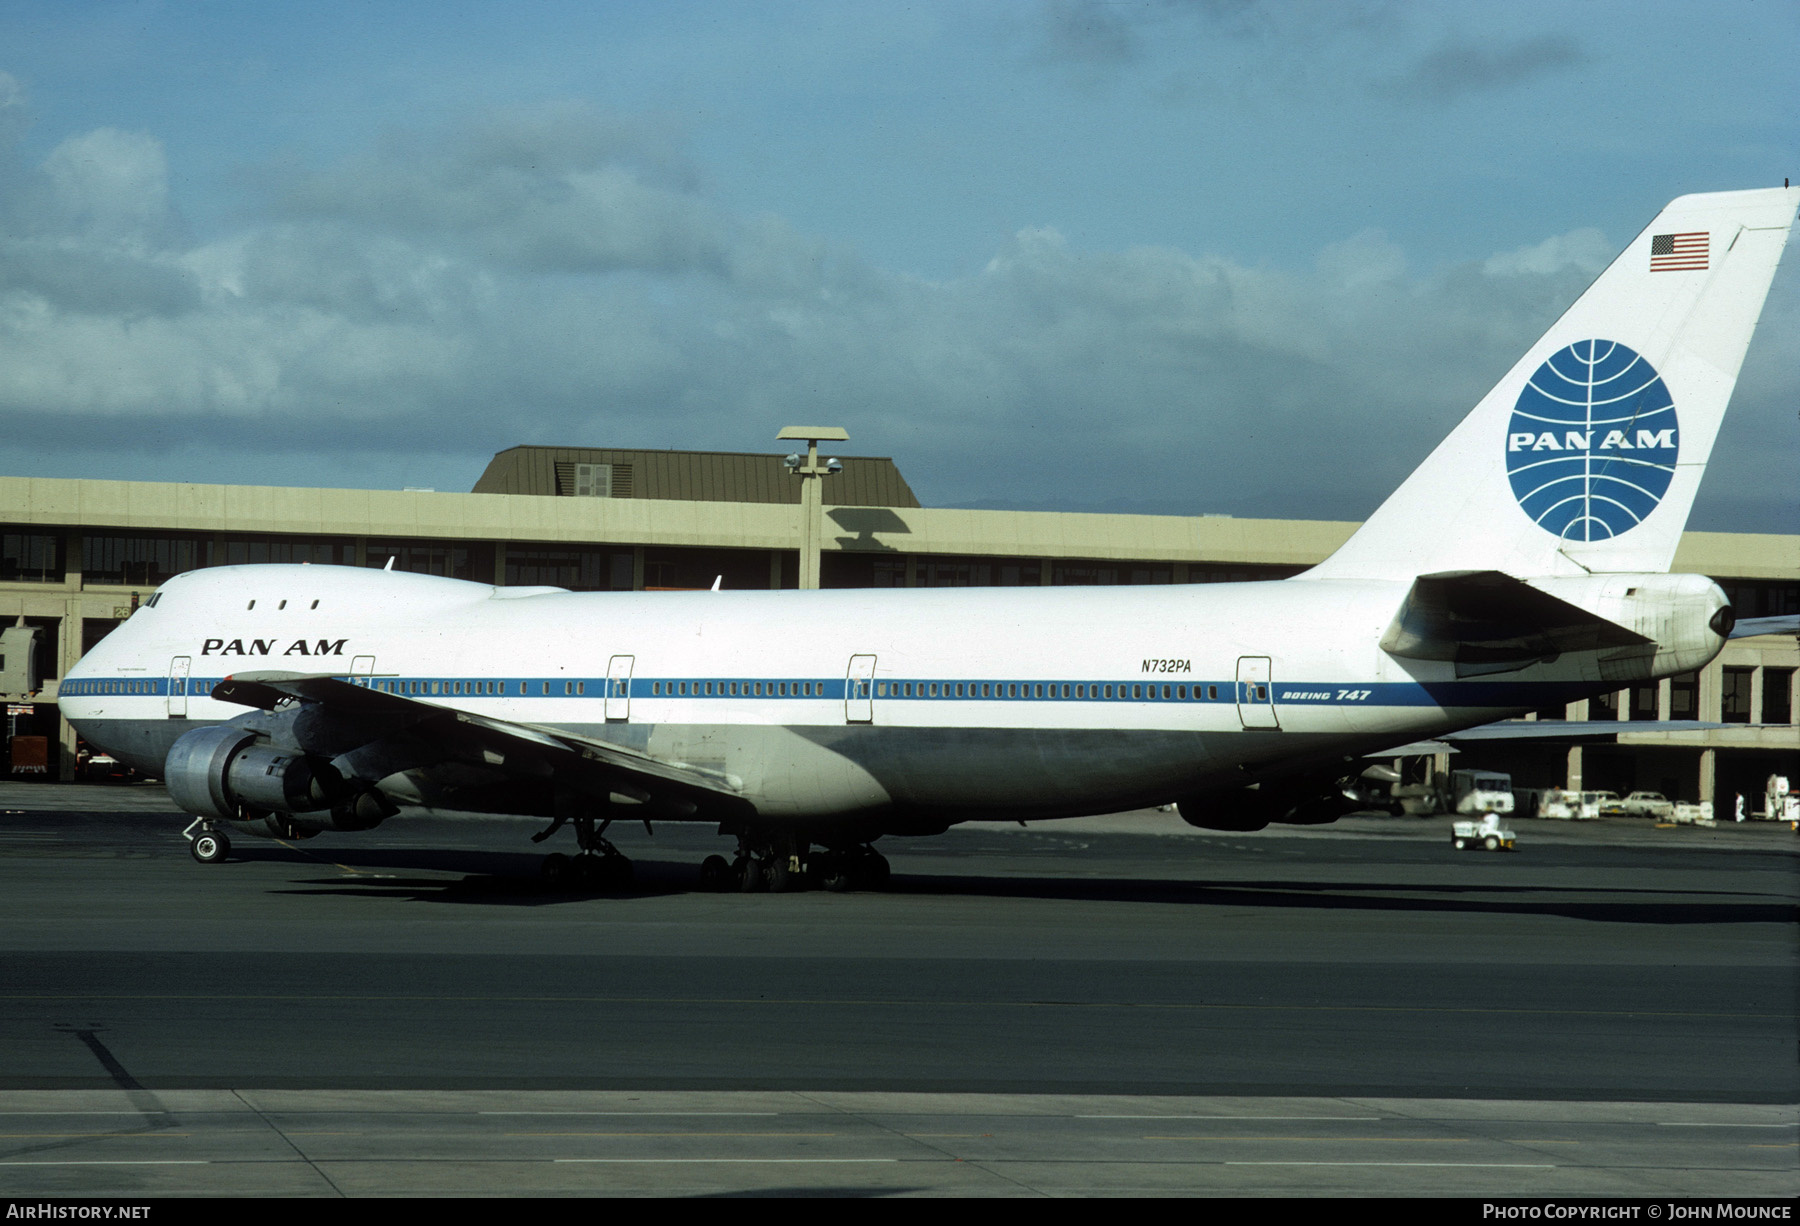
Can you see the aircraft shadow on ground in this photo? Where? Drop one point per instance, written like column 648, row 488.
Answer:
column 514, row 879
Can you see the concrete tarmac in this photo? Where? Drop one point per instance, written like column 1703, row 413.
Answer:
column 1110, row 1006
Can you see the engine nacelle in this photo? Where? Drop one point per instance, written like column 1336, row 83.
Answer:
column 1238, row 812
column 1255, row 807
column 231, row 774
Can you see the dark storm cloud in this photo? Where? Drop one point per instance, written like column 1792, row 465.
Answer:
column 1087, row 32
column 1456, row 69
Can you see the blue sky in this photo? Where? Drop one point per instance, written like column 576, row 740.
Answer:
column 1227, row 256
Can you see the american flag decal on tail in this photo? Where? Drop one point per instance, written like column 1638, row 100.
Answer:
column 1679, row 252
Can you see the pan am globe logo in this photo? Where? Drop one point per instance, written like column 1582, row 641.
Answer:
column 1591, row 447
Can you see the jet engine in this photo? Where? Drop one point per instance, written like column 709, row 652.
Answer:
column 231, row 773
column 1300, row 803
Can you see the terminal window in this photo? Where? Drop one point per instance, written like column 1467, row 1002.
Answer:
column 1734, row 696
column 146, row 560
column 31, row 556
column 593, row 480
column 1778, row 696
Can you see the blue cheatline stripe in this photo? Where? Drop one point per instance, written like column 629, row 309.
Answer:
column 888, row 690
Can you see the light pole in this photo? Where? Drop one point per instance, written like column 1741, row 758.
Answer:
column 812, row 502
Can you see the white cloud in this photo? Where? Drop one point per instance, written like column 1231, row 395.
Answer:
column 111, row 184
column 1586, row 250
column 568, row 280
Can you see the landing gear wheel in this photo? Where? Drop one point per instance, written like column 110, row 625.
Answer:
column 750, row 877
column 872, row 871
column 837, row 879
column 715, row 874
column 587, row 872
column 557, row 871
column 613, row 872
column 776, row 873
column 209, row 848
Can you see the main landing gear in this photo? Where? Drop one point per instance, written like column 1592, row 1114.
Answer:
column 598, row 866
column 209, row 846
column 778, row 864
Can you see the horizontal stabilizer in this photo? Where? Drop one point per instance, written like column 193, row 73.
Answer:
column 1750, row 627
column 1485, row 621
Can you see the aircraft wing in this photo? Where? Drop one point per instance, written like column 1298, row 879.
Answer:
column 1752, row 626
column 345, row 716
column 1571, row 729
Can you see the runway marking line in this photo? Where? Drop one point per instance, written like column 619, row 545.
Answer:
column 1688, row 1124
column 1332, row 1140
column 122, row 1162
column 900, row 1004
column 1271, row 1118
column 715, row 1114
column 669, row 1134
column 343, row 868
column 1510, row 1166
column 730, row 1161
column 39, row 1136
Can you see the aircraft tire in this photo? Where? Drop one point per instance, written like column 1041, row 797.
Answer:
column 209, row 848
column 614, row 872
column 715, row 874
column 556, row 871
column 874, row 871
column 776, row 875
column 751, row 881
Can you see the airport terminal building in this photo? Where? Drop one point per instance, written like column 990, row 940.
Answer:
column 80, row 555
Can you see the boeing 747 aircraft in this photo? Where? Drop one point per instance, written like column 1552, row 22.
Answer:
column 1523, row 564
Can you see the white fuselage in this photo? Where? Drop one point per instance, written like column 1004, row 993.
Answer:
column 960, row 703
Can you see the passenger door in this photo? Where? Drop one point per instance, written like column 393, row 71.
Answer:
column 859, row 690
column 1256, row 693
column 179, row 668
column 618, row 688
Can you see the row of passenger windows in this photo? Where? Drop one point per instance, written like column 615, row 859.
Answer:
column 578, row 689
column 1057, row 690
column 742, row 689
column 468, row 689
column 112, row 687
column 815, row 689
column 737, row 689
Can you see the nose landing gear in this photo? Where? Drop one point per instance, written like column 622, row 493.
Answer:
column 209, row 846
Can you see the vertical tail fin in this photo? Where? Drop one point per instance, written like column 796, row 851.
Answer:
column 1586, row 456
